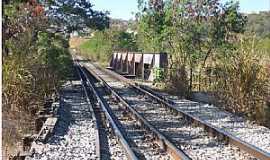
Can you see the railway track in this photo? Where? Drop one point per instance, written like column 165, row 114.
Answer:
column 104, row 123
column 247, row 131
column 102, row 150
column 180, row 128
column 139, row 142
column 138, row 139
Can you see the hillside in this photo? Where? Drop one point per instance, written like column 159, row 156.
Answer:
column 259, row 23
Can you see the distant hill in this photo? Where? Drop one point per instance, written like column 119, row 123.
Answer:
column 259, row 23
column 121, row 24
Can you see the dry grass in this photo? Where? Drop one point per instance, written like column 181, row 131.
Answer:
column 28, row 79
column 243, row 83
column 75, row 42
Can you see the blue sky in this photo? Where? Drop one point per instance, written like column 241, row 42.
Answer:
column 123, row 8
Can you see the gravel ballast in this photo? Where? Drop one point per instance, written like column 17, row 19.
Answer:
column 139, row 139
column 246, row 130
column 199, row 146
column 74, row 134
column 193, row 140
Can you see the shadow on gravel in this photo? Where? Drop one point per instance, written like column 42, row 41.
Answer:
column 63, row 124
column 65, row 119
column 70, row 94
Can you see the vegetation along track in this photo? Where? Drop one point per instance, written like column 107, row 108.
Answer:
column 139, row 143
column 193, row 140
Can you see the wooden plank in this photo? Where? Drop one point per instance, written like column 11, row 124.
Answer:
column 47, row 129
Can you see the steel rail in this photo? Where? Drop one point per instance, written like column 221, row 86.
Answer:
column 98, row 148
column 212, row 130
column 130, row 153
column 160, row 139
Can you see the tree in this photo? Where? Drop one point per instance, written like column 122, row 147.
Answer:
column 125, row 41
column 76, row 15
column 151, row 25
column 36, row 59
column 190, row 30
column 22, row 18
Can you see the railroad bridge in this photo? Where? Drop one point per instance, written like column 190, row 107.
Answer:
column 146, row 66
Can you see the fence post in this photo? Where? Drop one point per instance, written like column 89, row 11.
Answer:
column 134, row 70
column 142, row 67
column 190, row 80
column 127, row 64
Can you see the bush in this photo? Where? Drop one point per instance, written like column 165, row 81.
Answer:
column 243, row 82
column 28, row 78
column 100, row 46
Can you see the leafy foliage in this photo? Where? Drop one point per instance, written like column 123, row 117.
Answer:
column 150, row 26
column 98, row 47
column 51, row 61
column 204, row 38
column 36, row 59
column 191, row 31
column 76, row 15
column 30, row 78
column 22, row 19
column 101, row 45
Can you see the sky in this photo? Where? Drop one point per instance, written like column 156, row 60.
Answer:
column 123, row 8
